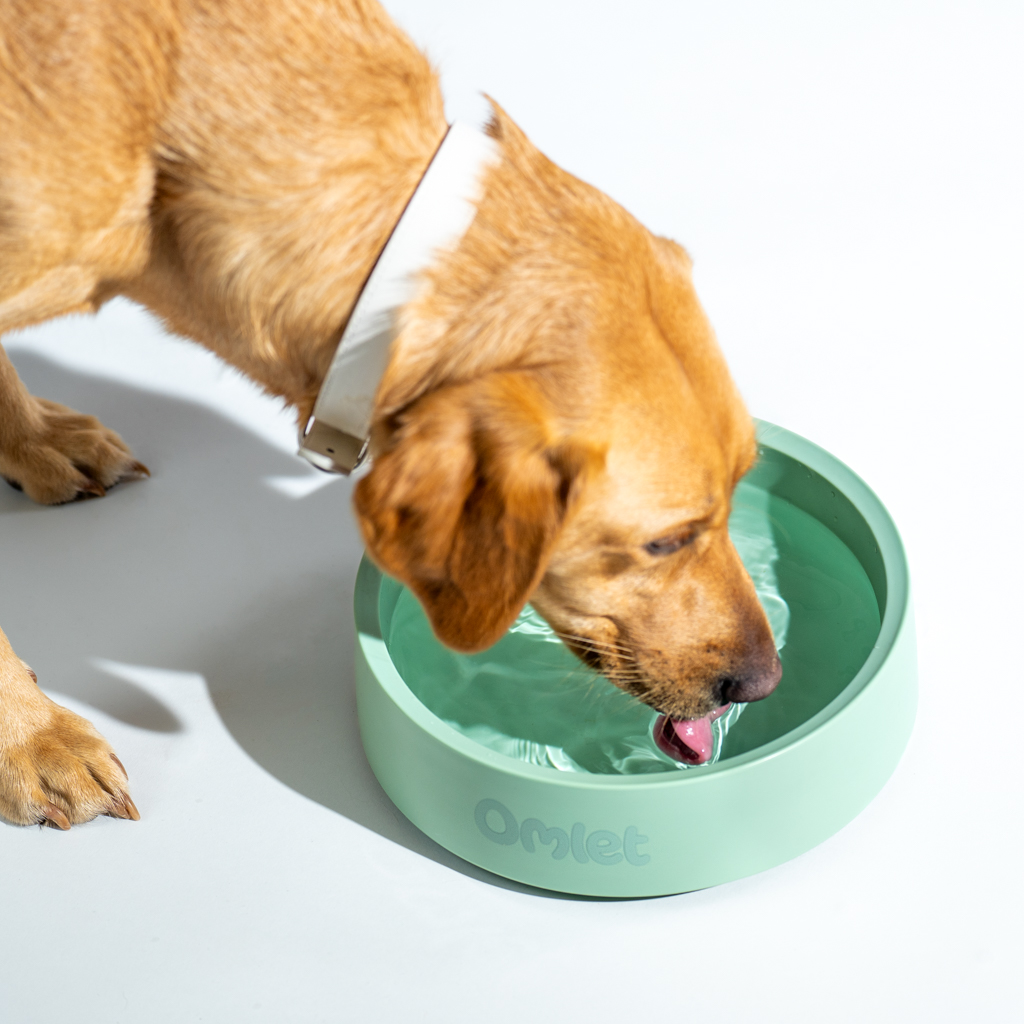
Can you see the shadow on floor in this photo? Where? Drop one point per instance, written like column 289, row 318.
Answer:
column 204, row 568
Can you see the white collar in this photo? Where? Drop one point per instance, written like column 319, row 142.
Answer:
column 436, row 217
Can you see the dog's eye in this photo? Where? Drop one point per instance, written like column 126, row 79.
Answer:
column 666, row 545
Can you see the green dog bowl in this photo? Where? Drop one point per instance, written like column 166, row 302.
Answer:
column 793, row 770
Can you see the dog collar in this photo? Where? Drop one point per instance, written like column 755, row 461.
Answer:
column 436, row 217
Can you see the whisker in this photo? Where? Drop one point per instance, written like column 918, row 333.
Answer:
column 591, row 642
column 616, row 653
column 625, row 672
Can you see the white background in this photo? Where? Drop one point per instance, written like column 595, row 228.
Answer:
column 848, row 178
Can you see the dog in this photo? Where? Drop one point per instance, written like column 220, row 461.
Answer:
column 555, row 422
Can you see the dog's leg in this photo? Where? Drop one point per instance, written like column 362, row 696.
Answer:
column 55, row 768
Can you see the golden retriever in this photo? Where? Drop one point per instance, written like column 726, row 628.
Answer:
column 556, row 422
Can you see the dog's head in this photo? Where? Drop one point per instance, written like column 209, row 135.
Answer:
column 571, row 436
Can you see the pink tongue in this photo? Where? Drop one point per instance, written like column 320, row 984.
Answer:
column 695, row 733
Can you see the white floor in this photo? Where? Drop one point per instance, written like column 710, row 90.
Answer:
column 849, row 179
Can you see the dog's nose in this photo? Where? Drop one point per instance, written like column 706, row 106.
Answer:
column 752, row 684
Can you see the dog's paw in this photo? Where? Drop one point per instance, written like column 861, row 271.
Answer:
column 57, row 770
column 67, row 456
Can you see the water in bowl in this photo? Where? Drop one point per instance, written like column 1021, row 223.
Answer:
column 529, row 698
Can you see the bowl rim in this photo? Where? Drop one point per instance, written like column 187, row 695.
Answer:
column 897, row 604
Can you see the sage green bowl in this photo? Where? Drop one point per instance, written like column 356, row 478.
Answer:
column 794, row 770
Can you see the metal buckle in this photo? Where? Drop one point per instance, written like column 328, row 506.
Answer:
column 330, row 449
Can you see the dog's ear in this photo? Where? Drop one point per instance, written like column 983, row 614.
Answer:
column 465, row 500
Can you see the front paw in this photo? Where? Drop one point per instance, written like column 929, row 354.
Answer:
column 57, row 770
column 67, row 456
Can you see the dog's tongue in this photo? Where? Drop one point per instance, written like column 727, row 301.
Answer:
column 687, row 739
column 695, row 734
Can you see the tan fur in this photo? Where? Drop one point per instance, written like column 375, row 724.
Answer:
column 54, row 766
column 555, row 400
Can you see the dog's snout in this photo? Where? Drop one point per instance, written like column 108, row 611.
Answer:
column 753, row 684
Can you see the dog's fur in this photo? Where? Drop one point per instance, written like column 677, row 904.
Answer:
column 556, row 422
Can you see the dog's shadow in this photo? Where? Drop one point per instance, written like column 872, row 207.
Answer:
column 207, row 567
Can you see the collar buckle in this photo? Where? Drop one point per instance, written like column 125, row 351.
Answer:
column 330, row 449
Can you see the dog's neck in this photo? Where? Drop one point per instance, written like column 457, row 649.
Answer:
column 440, row 211
column 495, row 301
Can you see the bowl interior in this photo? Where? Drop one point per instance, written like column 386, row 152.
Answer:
column 835, row 608
column 825, row 566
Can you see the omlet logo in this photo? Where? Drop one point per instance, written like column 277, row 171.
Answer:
column 499, row 825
